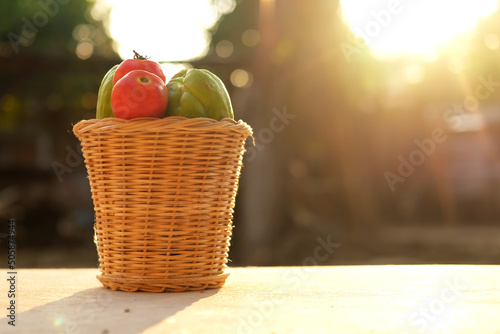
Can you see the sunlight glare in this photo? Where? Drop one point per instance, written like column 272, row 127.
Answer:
column 162, row 30
column 392, row 27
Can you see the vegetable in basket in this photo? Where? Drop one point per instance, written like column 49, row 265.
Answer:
column 139, row 93
column 190, row 93
column 104, row 108
column 198, row 93
column 133, row 88
column 138, row 63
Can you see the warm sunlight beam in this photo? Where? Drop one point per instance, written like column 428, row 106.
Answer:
column 394, row 27
column 163, row 30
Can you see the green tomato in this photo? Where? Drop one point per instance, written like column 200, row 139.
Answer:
column 104, row 96
column 198, row 93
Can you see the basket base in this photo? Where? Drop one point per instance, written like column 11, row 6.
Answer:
column 159, row 285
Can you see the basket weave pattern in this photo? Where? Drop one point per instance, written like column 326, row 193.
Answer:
column 164, row 193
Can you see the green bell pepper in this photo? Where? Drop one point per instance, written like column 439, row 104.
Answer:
column 103, row 108
column 198, row 93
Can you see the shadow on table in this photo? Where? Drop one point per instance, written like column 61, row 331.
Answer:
column 99, row 310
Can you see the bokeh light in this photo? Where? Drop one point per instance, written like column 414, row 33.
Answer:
column 84, row 49
column 250, row 37
column 491, row 41
column 241, row 78
column 224, row 49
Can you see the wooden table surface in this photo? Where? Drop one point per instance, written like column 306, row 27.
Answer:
column 333, row 299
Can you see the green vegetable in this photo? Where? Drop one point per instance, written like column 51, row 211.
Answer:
column 104, row 96
column 198, row 93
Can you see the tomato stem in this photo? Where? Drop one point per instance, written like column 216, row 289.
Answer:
column 138, row 56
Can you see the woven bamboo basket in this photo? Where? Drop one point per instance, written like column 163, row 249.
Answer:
column 164, row 193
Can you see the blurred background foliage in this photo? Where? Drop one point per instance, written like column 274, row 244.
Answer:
column 332, row 122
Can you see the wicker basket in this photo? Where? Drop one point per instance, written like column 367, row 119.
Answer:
column 164, row 192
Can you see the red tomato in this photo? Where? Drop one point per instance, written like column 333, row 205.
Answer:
column 138, row 63
column 139, row 94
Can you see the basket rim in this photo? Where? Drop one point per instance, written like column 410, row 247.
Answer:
column 152, row 125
